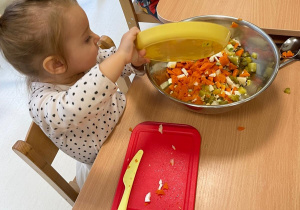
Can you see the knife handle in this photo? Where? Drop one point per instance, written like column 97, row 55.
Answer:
column 125, row 198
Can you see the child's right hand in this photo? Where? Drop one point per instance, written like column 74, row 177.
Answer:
column 128, row 51
column 113, row 66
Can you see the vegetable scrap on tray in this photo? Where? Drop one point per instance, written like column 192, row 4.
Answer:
column 159, row 191
column 216, row 80
column 160, row 128
column 287, row 54
column 161, row 188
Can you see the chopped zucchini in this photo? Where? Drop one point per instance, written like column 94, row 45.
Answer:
column 230, row 47
column 242, row 90
column 254, row 55
column 287, row 90
column 234, row 59
column 252, row 67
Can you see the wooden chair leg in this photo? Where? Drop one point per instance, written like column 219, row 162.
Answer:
column 74, row 185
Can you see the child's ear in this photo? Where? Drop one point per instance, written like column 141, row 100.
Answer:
column 54, row 65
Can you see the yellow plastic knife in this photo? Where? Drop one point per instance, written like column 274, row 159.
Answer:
column 128, row 178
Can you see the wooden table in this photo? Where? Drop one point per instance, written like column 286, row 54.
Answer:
column 274, row 16
column 257, row 168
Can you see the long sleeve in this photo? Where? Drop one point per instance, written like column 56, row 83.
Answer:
column 128, row 68
column 78, row 117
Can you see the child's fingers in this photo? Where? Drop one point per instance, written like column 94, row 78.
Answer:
column 142, row 53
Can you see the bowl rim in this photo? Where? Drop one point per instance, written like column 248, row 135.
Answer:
column 248, row 24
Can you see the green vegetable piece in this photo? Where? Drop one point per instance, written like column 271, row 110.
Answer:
column 234, row 97
column 217, row 91
column 248, row 59
column 230, row 47
column 252, row 67
column 205, row 88
column 254, row 55
column 244, row 62
column 287, row 90
column 201, row 93
column 209, row 99
column 234, row 59
column 249, row 82
column 246, row 54
column 234, row 79
column 222, row 102
column 242, row 90
column 229, row 53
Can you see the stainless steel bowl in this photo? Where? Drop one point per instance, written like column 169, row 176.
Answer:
column 253, row 39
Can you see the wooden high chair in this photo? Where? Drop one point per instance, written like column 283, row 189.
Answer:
column 38, row 151
column 134, row 14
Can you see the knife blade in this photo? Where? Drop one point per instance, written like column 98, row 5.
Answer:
column 128, row 178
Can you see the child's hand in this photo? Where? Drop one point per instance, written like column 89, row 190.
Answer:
column 129, row 52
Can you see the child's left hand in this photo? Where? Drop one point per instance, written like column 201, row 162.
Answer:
column 138, row 58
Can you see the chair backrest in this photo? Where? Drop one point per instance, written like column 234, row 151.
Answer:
column 38, row 151
column 134, row 14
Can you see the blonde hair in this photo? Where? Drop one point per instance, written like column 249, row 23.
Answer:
column 31, row 30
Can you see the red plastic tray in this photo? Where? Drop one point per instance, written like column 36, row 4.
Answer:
column 155, row 165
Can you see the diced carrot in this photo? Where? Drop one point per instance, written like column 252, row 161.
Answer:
column 160, row 192
column 218, row 84
column 235, row 72
column 224, row 60
column 234, row 25
column 236, row 45
column 240, row 128
column 165, row 186
column 206, row 66
column 177, row 71
column 231, row 66
column 244, row 74
column 239, row 52
column 289, row 54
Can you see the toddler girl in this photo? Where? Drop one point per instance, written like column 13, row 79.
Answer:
column 73, row 96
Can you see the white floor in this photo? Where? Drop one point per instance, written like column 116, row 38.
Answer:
column 20, row 186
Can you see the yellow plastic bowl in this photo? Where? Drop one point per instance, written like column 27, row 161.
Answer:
column 183, row 41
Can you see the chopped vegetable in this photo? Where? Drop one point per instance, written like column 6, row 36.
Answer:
column 147, row 197
column 234, row 25
column 240, row 128
column 287, row 90
column 160, row 192
column 217, row 80
column 172, row 162
column 254, row 55
column 160, row 184
column 165, row 186
column 287, row 54
column 160, row 128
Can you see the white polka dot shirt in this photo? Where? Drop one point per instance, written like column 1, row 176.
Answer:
column 79, row 118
